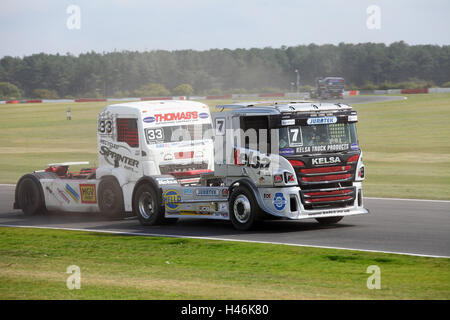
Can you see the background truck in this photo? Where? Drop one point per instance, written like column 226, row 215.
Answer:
column 328, row 88
column 293, row 160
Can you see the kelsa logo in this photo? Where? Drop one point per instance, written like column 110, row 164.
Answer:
column 149, row 119
column 176, row 116
column 203, row 115
column 329, row 160
column 172, row 199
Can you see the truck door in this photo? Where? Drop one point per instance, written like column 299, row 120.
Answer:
column 251, row 154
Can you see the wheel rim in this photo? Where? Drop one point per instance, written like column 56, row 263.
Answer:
column 146, row 205
column 241, row 208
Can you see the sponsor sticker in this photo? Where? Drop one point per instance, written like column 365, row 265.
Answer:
column 187, row 191
column 172, row 199
column 72, row 193
column 176, row 116
column 204, row 209
column 63, row 195
column 321, row 120
column 203, row 115
column 224, row 192
column 288, row 122
column 286, row 151
column 149, row 119
column 164, row 181
column 279, row 201
column 88, row 194
column 329, row 160
column 207, row 192
column 354, row 146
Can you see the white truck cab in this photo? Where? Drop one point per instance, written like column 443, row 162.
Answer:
column 136, row 139
column 154, row 138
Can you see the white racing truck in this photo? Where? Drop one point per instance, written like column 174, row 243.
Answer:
column 135, row 140
column 293, row 160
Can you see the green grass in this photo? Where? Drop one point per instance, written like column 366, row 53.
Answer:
column 33, row 265
column 406, row 147
column 406, row 143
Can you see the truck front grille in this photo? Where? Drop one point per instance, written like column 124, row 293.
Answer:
column 321, row 175
column 332, row 197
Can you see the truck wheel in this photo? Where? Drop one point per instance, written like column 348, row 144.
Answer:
column 29, row 197
column 243, row 208
column 147, row 206
column 110, row 198
column 329, row 220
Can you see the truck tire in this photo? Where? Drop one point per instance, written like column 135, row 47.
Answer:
column 244, row 209
column 29, row 197
column 110, row 198
column 329, row 220
column 147, row 206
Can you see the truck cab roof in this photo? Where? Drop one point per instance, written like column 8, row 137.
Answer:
column 286, row 107
column 146, row 106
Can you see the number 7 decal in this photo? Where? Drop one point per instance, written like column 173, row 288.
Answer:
column 220, row 126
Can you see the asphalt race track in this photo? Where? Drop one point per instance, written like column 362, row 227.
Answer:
column 418, row 227
column 401, row 226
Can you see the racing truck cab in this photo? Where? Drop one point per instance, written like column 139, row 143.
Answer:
column 305, row 159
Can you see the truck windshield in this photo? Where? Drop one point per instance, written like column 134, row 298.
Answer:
column 318, row 138
column 177, row 133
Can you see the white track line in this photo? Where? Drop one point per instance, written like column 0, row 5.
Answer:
column 225, row 239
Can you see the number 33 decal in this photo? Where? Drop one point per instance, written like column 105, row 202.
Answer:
column 105, row 126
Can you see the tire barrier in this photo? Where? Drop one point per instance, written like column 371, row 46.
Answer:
column 225, row 96
column 418, row 90
column 89, row 100
column 279, row 94
column 156, row 98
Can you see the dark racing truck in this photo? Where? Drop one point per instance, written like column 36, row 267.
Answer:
column 328, row 88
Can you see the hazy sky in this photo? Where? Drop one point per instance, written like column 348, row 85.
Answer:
column 28, row 27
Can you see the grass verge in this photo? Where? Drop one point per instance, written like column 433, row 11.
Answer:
column 33, row 265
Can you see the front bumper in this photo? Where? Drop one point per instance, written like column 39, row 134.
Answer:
column 287, row 203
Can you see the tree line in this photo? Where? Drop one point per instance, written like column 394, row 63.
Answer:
column 215, row 71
